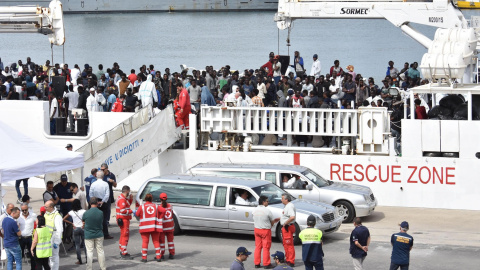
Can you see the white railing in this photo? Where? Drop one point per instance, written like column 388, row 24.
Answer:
column 288, row 121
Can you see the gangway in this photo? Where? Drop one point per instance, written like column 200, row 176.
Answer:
column 368, row 127
column 130, row 145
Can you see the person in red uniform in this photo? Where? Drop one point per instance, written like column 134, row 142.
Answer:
column 118, row 105
column 124, row 215
column 168, row 227
column 185, row 107
column 147, row 213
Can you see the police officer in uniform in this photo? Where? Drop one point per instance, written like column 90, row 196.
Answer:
column 312, row 252
column 402, row 243
column 359, row 242
column 124, row 215
column 279, row 258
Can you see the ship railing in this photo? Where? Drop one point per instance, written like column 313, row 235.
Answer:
column 280, row 121
column 366, row 129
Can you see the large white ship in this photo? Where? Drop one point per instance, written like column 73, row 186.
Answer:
column 438, row 166
column 93, row 6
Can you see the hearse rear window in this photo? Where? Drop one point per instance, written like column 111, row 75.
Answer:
column 179, row 193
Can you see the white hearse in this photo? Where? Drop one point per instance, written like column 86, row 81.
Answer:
column 208, row 203
column 351, row 200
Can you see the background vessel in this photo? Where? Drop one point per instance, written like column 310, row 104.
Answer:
column 94, row 6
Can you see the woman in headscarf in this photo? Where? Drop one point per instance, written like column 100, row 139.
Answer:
column 207, row 97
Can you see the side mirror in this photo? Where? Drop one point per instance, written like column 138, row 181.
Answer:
column 254, row 204
column 310, row 187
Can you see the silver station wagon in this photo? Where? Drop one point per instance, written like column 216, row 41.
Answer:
column 208, row 203
column 351, row 200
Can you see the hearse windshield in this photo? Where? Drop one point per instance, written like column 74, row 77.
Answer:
column 271, row 191
column 315, row 178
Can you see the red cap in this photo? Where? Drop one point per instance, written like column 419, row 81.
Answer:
column 42, row 209
column 163, row 196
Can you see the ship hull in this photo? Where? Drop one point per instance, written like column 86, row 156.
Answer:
column 123, row 6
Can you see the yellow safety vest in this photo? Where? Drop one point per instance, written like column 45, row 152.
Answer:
column 50, row 221
column 44, row 245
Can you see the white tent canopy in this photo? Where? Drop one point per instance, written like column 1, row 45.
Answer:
column 22, row 157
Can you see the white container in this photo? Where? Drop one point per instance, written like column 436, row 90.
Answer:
column 442, row 34
column 437, row 66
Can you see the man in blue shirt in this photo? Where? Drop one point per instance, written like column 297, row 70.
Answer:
column 279, row 258
column 402, row 244
column 89, row 181
column 11, row 233
column 359, row 242
column 63, row 191
column 242, row 255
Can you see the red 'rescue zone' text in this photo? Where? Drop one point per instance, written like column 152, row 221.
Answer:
column 392, row 173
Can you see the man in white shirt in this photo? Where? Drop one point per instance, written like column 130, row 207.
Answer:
column 242, row 199
column 263, row 221
column 75, row 74
column 100, row 190
column 293, row 182
column 194, row 91
column 26, row 223
column 72, row 104
column 288, row 228
column 277, row 69
column 316, row 68
column 53, row 112
column 77, row 194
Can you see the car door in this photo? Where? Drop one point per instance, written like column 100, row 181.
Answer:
column 304, row 192
column 240, row 216
column 219, row 211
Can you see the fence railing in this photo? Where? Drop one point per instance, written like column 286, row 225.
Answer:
column 288, row 121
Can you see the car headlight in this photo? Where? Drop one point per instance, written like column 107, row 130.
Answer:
column 319, row 220
column 367, row 199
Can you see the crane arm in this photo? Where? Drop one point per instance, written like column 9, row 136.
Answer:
column 437, row 13
column 35, row 19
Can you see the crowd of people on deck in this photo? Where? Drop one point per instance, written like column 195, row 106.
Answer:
column 114, row 90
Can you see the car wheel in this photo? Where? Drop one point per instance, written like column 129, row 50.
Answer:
column 346, row 210
column 296, row 238
column 176, row 229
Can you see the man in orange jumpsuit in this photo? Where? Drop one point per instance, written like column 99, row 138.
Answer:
column 288, row 228
column 168, row 226
column 148, row 227
column 185, row 107
column 124, row 215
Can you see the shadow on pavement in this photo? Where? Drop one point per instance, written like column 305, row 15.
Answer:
column 374, row 217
